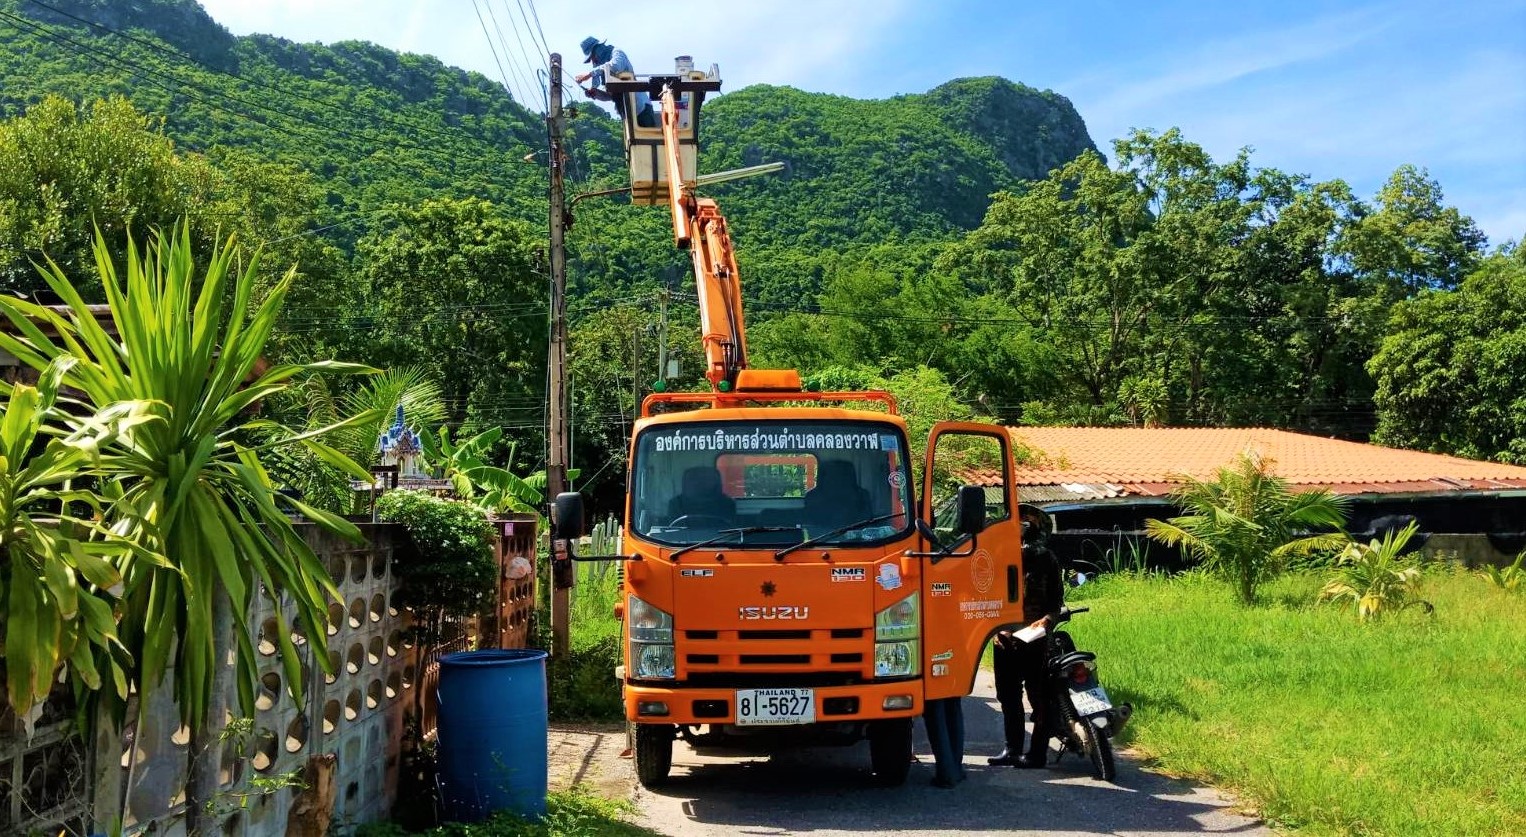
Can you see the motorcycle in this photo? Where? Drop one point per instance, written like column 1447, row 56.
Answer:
column 1084, row 719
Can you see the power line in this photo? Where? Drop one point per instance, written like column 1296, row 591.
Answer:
column 513, row 68
column 524, row 54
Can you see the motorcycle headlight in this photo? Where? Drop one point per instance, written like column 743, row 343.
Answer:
column 895, row 659
column 899, row 621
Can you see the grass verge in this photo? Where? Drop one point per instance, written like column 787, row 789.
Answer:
column 1409, row 725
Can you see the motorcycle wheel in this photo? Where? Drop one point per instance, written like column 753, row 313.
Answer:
column 1098, row 748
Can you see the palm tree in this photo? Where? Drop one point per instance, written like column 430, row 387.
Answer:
column 1375, row 576
column 1247, row 523
column 185, row 484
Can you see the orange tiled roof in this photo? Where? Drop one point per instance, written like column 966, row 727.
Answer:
column 1109, row 462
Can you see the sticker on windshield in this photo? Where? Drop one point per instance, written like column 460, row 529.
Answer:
column 682, row 441
column 890, row 576
column 897, row 479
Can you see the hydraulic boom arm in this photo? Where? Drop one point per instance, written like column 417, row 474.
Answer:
column 699, row 225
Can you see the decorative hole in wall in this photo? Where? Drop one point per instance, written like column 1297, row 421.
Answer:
column 296, row 734
column 392, row 606
column 333, row 667
column 408, row 677
column 270, row 692
column 374, row 694
column 355, row 659
column 394, row 643
column 394, row 684
column 181, row 737
column 268, row 631
column 378, row 607
column 357, row 613
column 374, row 650
column 330, row 716
column 265, row 751
column 352, row 705
column 358, row 567
column 378, row 564
column 336, row 617
column 351, row 791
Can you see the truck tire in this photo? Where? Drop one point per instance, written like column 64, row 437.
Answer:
column 653, row 753
column 890, row 751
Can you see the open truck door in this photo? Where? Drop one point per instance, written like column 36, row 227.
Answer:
column 971, row 581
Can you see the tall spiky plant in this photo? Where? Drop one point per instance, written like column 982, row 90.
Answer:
column 58, row 577
column 1247, row 523
column 185, row 485
column 1376, row 577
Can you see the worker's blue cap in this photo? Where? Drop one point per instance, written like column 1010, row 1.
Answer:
column 589, row 44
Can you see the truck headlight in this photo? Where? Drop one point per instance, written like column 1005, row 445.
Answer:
column 651, row 641
column 895, row 659
column 896, row 629
column 899, row 621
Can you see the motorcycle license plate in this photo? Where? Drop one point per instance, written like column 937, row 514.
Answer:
column 775, row 707
column 1091, row 701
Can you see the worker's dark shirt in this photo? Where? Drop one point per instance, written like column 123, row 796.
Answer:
column 1043, row 590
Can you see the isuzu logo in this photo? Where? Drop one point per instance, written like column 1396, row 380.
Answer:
column 773, row 612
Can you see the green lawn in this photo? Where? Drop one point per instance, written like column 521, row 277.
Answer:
column 1414, row 725
column 571, row 813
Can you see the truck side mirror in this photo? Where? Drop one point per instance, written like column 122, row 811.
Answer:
column 567, row 516
column 972, row 510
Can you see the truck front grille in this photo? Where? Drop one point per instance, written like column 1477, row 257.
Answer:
column 832, row 654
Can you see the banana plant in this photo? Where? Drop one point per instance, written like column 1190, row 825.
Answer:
column 475, row 480
column 58, row 577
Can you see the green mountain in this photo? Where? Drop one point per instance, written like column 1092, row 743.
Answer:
column 377, row 127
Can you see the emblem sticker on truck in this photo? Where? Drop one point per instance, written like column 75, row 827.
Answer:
column 697, row 573
column 849, row 574
column 889, row 576
column 942, row 588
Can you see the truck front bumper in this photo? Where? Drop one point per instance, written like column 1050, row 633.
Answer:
column 678, row 704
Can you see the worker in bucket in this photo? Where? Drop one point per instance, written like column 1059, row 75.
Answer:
column 611, row 61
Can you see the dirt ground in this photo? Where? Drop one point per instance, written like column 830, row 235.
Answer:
column 590, row 755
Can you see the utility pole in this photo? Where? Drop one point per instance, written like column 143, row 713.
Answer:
column 662, row 341
column 562, row 575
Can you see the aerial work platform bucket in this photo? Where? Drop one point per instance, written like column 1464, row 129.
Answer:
column 640, row 99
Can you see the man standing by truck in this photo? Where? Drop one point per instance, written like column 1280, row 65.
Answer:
column 1020, row 666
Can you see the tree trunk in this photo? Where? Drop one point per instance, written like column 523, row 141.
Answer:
column 203, row 778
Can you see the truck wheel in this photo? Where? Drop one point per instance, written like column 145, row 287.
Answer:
column 654, row 753
column 890, row 751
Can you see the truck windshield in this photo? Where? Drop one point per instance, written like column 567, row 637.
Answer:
column 800, row 479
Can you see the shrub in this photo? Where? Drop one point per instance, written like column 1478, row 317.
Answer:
column 1376, row 576
column 1512, row 578
column 452, row 570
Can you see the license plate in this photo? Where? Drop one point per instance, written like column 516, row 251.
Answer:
column 773, row 707
column 1091, row 701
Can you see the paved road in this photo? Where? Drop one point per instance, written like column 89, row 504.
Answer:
column 826, row 793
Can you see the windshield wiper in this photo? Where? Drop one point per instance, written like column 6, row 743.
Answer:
column 779, row 556
column 726, row 533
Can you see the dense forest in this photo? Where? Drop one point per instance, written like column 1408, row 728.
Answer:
column 970, row 247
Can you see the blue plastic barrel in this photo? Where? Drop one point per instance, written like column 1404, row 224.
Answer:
column 492, row 733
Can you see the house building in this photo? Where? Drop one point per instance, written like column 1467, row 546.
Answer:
column 1100, row 484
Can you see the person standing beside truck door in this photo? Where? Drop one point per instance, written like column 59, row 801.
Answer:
column 1021, row 666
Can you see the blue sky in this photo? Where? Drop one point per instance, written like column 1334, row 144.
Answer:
column 1325, row 88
